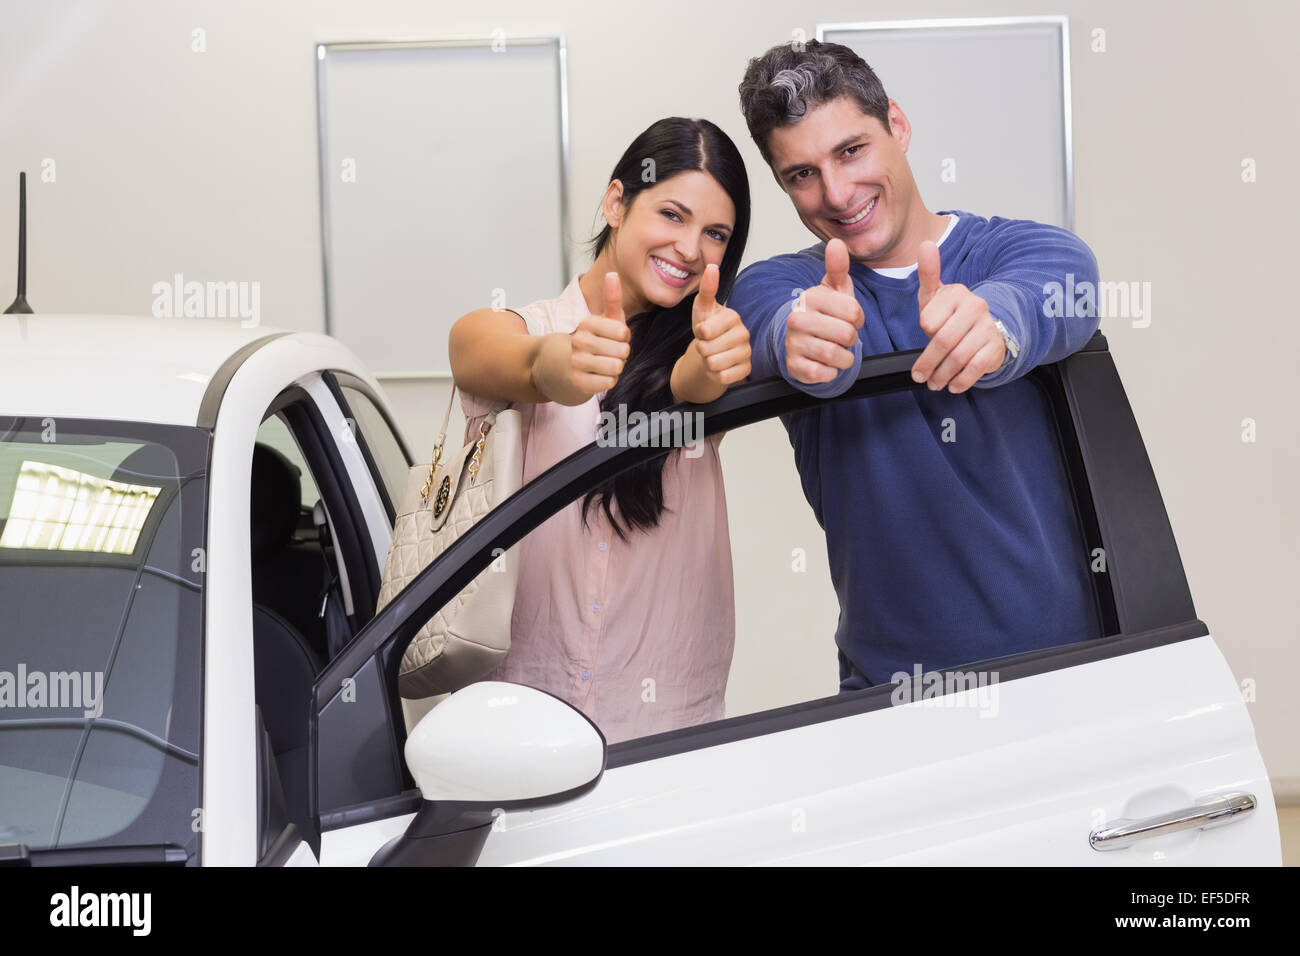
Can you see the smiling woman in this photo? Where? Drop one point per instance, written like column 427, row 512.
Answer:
column 645, row 327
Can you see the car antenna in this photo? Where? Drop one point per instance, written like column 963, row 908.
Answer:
column 20, row 304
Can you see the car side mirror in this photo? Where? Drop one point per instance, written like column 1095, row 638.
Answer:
column 489, row 746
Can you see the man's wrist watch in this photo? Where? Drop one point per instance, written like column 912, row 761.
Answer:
column 1013, row 347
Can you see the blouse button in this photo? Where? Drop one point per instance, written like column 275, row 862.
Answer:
column 585, row 673
column 595, row 606
column 602, row 546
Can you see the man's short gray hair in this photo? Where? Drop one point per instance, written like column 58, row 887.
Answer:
column 780, row 86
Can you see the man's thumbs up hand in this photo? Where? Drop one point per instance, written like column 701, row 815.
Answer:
column 927, row 271
column 824, row 323
column 837, row 268
column 964, row 343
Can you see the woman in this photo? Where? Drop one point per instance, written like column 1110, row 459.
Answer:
column 624, row 605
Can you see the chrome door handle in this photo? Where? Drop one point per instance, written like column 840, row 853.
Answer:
column 1123, row 833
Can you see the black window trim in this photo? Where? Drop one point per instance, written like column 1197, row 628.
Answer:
column 1111, row 476
column 210, row 404
column 336, row 381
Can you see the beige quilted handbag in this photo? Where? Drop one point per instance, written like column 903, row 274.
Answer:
column 442, row 500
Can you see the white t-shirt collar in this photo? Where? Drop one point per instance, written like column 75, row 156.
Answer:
column 902, row 272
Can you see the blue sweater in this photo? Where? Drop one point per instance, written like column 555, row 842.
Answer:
column 942, row 552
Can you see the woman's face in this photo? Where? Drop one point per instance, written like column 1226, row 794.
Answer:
column 671, row 232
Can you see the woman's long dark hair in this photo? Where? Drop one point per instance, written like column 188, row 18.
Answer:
column 660, row 336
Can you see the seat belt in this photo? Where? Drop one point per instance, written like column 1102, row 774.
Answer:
column 338, row 631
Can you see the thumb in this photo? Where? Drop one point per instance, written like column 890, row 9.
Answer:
column 706, row 300
column 837, row 267
column 927, row 271
column 614, row 297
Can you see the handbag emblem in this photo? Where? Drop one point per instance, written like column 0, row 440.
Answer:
column 433, row 470
column 444, row 489
column 444, row 494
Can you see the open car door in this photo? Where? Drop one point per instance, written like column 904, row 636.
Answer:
column 1132, row 748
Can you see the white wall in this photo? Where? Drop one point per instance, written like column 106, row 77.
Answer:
column 170, row 161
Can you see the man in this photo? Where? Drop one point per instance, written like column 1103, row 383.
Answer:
column 949, row 522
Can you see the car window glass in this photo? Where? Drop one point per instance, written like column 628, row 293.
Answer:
column 275, row 432
column 643, row 640
column 646, row 646
column 102, row 565
column 380, row 440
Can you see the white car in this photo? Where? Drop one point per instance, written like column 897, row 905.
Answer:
column 246, row 709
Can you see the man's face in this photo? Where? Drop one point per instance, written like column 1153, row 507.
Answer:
column 848, row 177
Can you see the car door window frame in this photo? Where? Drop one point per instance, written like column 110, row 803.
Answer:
column 352, row 540
column 1144, row 592
column 317, row 444
column 335, row 380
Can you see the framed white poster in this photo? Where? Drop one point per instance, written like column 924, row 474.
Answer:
column 443, row 169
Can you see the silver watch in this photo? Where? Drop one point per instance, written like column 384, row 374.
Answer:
column 1013, row 347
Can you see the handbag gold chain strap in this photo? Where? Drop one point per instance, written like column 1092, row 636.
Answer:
column 475, row 462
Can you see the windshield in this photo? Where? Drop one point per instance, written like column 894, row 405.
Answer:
column 101, row 598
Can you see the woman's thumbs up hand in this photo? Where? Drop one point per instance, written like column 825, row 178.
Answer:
column 720, row 336
column 572, row 368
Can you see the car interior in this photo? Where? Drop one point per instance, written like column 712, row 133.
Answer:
column 306, row 588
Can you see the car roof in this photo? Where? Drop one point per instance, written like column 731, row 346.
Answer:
column 124, row 367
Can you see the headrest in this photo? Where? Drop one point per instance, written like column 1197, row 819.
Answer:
column 275, row 501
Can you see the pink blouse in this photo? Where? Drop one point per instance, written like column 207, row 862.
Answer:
column 638, row 635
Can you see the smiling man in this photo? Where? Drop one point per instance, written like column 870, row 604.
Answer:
column 949, row 523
